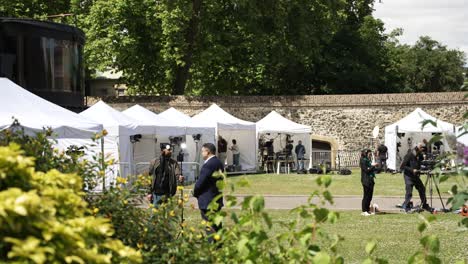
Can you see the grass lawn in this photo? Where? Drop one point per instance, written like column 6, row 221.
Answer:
column 299, row 184
column 396, row 234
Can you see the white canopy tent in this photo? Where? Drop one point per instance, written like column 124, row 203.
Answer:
column 119, row 127
column 462, row 137
column 193, row 128
column 35, row 113
column 276, row 126
column 148, row 147
column 230, row 127
column 409, row 131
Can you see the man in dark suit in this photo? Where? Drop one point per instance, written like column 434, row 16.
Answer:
column 205, row 188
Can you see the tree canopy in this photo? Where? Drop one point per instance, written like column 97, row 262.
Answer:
column 251, row 47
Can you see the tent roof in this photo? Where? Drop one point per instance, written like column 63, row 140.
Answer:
column 413, row 123
column 193, row 126
column 164, row 126
column 176, row 115
column 116, row 122
column 276, row 123
column 215, row 116
column 34, row 113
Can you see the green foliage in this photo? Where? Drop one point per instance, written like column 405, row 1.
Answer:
column 47, row 157
column 250, row 47
column 43, row 218
column 429, row 66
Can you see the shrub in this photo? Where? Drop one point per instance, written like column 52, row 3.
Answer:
column 43, row 218
column 40, row 147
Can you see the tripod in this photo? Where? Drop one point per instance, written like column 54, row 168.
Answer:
column 430, row 180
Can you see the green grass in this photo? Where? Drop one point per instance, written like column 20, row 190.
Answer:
column 396, row 234
column 299, row 184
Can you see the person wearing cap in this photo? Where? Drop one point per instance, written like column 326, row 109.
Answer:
column 367, row 180
column 166, row 173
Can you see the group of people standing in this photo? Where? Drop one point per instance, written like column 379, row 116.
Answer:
column 411, row 172
column 167, row 174
column 223, row 148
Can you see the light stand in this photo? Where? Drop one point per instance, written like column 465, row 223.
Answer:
column 180, row 158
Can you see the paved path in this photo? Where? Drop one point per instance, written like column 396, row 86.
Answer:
column 385, row 203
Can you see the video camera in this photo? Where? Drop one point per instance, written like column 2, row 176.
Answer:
column 196, row 137
column 428, row 163
column 175, row 140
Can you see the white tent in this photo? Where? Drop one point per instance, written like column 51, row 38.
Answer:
column 230, row 127
column 35, row 113
column 278, row 126
column 193, row 128
column 163, row 125
column 148, row 146
column 119, row 127
column 409, row 131
column 462, row 137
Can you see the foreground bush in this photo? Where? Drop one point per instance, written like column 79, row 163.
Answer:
column 43, row 218
column 40, row 147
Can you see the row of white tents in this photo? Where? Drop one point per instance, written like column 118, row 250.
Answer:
column 35, row 113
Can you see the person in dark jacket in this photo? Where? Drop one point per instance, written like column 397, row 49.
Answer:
column 382, row 153
column 367, row 180
column 165, row 173
column 205, row 189
column 300, row 154
column 410, row 167
column 222, row 149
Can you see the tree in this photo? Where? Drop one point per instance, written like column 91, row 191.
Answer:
column 33, row 8
column 429, row 66
column 357, row 59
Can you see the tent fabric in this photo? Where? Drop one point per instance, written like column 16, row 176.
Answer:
column 169, row 124
column 412, row 125
column 230, row 127
column 164, row 126
column 215, row 116
column 462, row 137
column 115, row 122
column 119, row 127
column 34, row 113
column 276, row 123
column 192, row 126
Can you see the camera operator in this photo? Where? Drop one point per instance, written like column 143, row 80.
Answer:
column 411, row 170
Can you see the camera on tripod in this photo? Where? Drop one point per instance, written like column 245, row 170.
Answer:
column 427, row 165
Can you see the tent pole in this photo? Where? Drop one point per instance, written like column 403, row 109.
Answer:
column 102, row 165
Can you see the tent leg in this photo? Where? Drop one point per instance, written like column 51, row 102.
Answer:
column 102, row 165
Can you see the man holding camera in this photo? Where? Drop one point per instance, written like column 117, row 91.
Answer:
column 411, row 170
column 165, row 172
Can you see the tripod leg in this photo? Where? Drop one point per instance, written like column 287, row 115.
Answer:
column 440, row 197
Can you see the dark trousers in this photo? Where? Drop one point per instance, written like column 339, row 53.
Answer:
column 383, row 164
column 212, row 228
column 416, row 182
column 367, row 198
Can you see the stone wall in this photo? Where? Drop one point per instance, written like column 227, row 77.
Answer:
column 349, row 119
